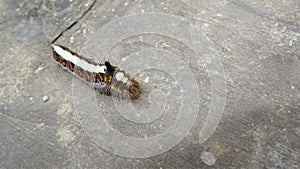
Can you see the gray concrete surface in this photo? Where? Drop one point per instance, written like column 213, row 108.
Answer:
column 259, row 47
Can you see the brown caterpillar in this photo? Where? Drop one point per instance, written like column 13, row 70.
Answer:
column 108, row 79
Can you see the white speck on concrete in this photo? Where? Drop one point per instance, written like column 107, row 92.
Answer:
column 30, row 98
column 208, row 158
column 45, row 98
column 291, row 43
column 71, row 39
column 84, row 32
column 126, row 3
column 219, row 15
column 124, row 58
column 146, row 80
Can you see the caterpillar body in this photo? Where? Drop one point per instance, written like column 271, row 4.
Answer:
column 108, row 79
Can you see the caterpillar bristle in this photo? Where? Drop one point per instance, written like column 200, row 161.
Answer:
column 134, row 89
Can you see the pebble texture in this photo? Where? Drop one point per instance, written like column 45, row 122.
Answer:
column 208, row 158
column 45, row 98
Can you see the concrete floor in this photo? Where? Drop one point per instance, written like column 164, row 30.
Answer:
column 224, row 77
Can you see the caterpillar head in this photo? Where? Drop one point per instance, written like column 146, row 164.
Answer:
column 110, row 68
column 125, row 85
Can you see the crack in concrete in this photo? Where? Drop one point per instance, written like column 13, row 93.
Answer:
column 74, row 23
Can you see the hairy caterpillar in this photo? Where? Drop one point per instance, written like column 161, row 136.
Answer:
column 110, row 80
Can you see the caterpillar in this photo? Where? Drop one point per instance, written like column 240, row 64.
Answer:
column 108, row 79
